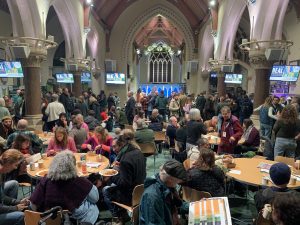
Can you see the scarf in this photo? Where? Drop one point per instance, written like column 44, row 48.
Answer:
column 247, row 132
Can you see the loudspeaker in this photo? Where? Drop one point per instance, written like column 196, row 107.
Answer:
column 273, row 54
column 188, row 75
column 128, row 71
column 110, row 65
column 227, row 68
column 19, row 52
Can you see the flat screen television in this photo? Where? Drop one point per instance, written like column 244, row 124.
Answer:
column 86, row 77
column 233, row 78
column 115, row 78
column 11, row 69
column 66, row 78
column 285, row 73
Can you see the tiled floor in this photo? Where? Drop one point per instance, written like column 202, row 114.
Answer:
column 242, row 209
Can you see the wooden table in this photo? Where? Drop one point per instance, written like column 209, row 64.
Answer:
column 89, row 158
column 45, row 137
column 251, row 174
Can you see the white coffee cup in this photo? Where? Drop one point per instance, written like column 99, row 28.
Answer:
column 293, row 180
column 265, row 181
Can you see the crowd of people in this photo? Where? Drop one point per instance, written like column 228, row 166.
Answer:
column 96, row 124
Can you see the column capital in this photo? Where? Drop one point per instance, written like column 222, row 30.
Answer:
column 33, row 61
column 258, row 60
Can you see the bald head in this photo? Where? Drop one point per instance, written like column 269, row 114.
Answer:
column 22, row 124
column 173, row 120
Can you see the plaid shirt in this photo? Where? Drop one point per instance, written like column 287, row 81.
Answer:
column 36, row 142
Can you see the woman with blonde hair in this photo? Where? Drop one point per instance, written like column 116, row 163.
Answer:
column 62, row 187
column 286, row 129
column 100, row 142
column 60, row 142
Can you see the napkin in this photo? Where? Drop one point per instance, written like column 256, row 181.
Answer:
column 235, row 172
column 93, row 164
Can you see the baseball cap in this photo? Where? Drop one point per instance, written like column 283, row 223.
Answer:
column 175, row 169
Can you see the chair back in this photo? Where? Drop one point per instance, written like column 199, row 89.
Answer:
column 135, row 215
column 130, row 127
column 32, row 218
column 148, row 148
column 187, row 164
column 159, row 135
column 260, row 220
column 192, row 195
column 137, row 194
column 286, row 160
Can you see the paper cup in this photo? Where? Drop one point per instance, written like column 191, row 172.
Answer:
column 293, row 180
column 265, row 181
column 78, row 163
column 41, row 164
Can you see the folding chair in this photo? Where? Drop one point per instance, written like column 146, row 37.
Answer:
column 148, row 149
column 134, row 208
column 192, row 195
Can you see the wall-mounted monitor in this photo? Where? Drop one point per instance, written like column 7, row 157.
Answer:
column 66, row 78
column 285, row 73
column 11, row 69
column 86, row 77
column 232, row 78
column 115, row 78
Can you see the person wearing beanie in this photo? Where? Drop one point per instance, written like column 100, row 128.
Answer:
column 160, row 201
column 280, row 174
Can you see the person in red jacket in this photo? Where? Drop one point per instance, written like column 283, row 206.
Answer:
column 230, row 131
column 99, row 142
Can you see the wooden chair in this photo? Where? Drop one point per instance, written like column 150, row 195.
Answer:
column 134, row 208
column 192, row 195
column 148, row 149
column 130, row 127
column 32, row 218
column 187, row 164
column 159, row 136
column 286, row 160
column 27, row 186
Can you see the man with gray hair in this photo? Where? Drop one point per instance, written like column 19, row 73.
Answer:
column 52, row 111
column 3, row 110
column 160, row 200
column 129, row 108
column 143, row 134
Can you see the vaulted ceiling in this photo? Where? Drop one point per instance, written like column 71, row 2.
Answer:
column 108, row 11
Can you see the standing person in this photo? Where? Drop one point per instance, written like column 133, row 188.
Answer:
column 94, row 105
column 144, row 103
column 110, row 101
column 174, row 106
column 19, row 106
column 11, row 208
column 200, row 103
column 246, row 108
column 160, row 199
column 266, row 122
column 3, row 110
column 286, row 129
column 188, row 105
column 130, row 107
column 53, row 110
column 230, row 131
column 82, row 106
column 67, row 102
column 102, row 100
column 161, row 103
column 151, row 103
column 209, row 108
column 195, row 128
column 9, row 104
column 275, row 109
column 117, row 99
column 182, row 101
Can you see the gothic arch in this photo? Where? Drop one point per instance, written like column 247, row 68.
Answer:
column 177, row 19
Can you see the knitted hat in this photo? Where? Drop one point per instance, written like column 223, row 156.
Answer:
column 280, row 173
column 175, row 169
column 6, row 118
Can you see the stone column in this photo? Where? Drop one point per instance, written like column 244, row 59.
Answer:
column 32, row 83
column 221, row 86
column 77, row 87
column 262, row 69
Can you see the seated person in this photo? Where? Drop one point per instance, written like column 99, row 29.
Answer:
column 139, row 115
column 11, row 208
column 205, row 175
column 212, row 124
column 79, row 134
column 111, row 117
column 62, row 121
column 286, row 208
column 181, row 136
column 143, row 134
column 22, row 128
column 78, row 121
column 250, row 140
column 156, row 121
column 160, row 199
column 99, row 142
column 194, row 152
column 91, row 121
column 6, row 127
column 63, row 187
column 60, row 142
column 131, row 165
column 280, row 174
column 171, row 130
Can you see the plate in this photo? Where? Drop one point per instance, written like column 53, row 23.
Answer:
column 108, row 172
column 42, row 173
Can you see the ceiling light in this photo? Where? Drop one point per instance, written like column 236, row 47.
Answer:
column 138, row 51
column 212, row 3
column 178, row 52
column 89, row 2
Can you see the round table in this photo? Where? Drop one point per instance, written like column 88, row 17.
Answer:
column 251, row 174
column 89, row 158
